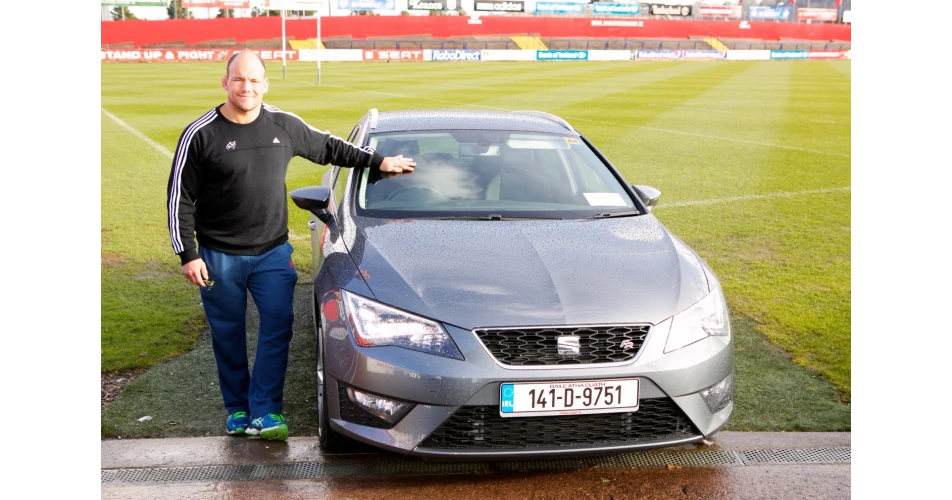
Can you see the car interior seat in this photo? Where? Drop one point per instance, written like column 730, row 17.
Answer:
column 518, row 179
column 483, row 168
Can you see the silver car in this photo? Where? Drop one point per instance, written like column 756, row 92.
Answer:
column 512, row 297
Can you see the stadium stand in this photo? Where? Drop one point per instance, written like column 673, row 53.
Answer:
column 680, row 33
column 427, row 42
column 310, row 43
column 178, row 44
column 512, row 42
column 783, row 44
column 715, row 43
column 491, row 32
column 529, row 42
column 624, row 44
column 228, row 43
column 264, row 43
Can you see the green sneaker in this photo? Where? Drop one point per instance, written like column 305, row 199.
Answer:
column 237, row 423
column 271, row 426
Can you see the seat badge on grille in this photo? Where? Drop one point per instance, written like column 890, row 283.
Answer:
column 568, row 345
column 628, row 344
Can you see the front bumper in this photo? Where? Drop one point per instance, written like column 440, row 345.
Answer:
column 457, row 402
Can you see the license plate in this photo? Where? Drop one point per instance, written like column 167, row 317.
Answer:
column 568, row 397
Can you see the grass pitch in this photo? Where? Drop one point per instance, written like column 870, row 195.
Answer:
column 752, row 158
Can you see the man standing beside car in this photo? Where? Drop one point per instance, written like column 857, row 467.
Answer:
column 227, row 189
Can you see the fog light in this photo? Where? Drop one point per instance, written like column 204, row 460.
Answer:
column 386, row 409
column 718, row 395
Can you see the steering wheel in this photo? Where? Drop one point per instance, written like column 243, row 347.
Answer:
column 427, row 191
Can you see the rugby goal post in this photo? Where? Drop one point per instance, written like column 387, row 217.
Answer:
column 318, row 6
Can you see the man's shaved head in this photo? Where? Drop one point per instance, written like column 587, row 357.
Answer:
column 240, row 53
column 245, row 83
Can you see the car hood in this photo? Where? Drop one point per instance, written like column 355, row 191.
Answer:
column 529, row 272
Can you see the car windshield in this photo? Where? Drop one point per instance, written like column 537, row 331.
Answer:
column 491, row 174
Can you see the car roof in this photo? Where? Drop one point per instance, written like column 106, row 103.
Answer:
column 461, row 119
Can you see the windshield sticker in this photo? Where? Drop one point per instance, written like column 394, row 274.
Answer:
column 604, row 199
column 572, row 140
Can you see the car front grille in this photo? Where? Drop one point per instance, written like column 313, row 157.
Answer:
column 539, row 346
column 657, row 420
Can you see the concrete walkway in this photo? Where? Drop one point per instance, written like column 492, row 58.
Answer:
column 734, row 465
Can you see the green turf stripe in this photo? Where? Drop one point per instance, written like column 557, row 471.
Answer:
column 579, row 93
column 696, row 130
column 785, row 262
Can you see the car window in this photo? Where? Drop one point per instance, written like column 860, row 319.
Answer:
column 593, row 180
column 339, row 175
column 339, row 183
column 489, row 173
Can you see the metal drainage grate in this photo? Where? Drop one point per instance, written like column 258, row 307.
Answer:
column 815, row 456
column 412, row 467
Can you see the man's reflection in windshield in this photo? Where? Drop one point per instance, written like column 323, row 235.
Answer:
column 376, row 175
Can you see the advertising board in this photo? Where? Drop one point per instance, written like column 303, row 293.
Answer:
column 135, row 3
column 431, row 4
column 184, row 55
column 216, row 4
column 669, row 10
column 609, row 55
column 500, row 6
column 509, row 55
column 365, row 4
column 456, row 55
column 657, row 54
column 748, row 55
column 626, row 9
column 393, row 55
column 720, row 10
column 562, row 55
column 703, row 54
column 817, row 14
column 559, row 8
column 789, row 54
column 312, row 55
column 295, row 4
column 768, row 12
column 827, row 54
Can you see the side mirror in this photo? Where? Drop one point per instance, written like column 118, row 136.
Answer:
column 314, row 199
column 648, row 195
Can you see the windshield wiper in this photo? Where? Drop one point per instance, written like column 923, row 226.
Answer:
column 494, row 217
column 608, row 215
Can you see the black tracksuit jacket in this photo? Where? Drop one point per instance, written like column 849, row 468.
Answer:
column 227, row 185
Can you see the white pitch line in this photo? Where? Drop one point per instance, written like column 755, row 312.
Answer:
column 404, row 96
column 678, row 204
column 787, row 194
column 574, row 118
column 160, row 148
column 713, row 137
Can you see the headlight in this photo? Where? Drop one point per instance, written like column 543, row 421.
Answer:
column 375, row 324
column 707, row 317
